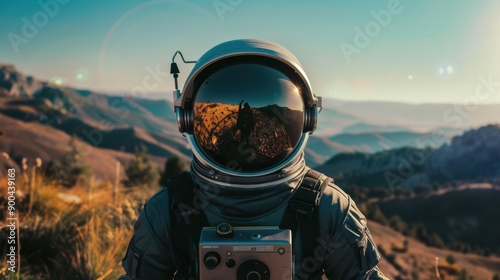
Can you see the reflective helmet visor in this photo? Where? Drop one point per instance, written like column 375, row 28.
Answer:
column 247, row 117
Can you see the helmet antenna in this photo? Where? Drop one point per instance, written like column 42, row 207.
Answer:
column 174, row 70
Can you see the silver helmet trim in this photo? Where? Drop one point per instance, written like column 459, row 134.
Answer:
column 198, row 153
column 292, row 170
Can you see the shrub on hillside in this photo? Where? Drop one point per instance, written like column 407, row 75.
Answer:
column 173, row 166
column 141, row 170
column 451, row 259
column 71, row 169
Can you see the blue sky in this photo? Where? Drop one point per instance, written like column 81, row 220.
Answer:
column 427, row 51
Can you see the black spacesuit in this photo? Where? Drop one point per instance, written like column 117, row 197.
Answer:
column 249, row 177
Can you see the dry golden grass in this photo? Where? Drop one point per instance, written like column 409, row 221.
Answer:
column 79, row 233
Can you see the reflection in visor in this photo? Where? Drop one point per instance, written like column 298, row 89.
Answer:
column 253, row 137
column 245, row 122
column 243, row 137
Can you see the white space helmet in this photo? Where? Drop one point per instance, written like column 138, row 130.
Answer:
column 247, row 108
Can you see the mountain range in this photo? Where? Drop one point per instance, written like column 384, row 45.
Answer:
column 120, row 123
column 472, row 156
column 369, row 144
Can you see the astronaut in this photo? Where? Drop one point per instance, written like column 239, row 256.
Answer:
column 252, row 176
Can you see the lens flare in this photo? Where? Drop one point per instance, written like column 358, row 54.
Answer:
column 57, row 81
column 82, row 74
column 449, row 69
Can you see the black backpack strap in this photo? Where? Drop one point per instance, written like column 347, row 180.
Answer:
column 301, row 215
column 186, row 222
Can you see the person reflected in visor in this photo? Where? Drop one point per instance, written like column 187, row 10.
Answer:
column 245, row 122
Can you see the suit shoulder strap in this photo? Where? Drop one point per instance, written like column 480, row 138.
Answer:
column 186, row 222
column 301, row 214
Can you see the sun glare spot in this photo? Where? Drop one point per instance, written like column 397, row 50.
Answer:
column 82, row 74
column 58, row 81
column 449, row 69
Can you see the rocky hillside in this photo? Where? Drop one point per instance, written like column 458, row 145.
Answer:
column 387, row 169
column 37, row 119
column 473, row 156
column 34, row 140
column 418, row 261
column 14, row 83
column 465, row 214
column 374, row 141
